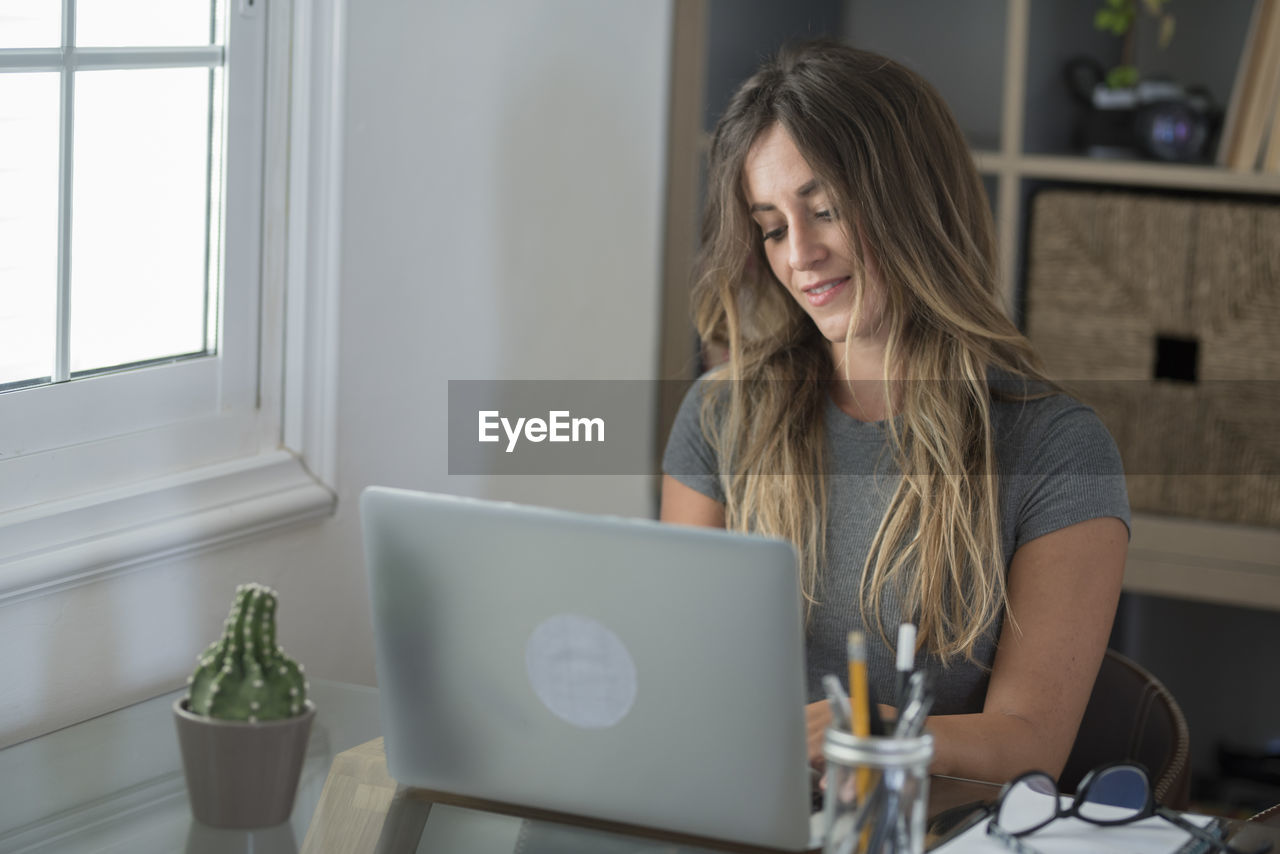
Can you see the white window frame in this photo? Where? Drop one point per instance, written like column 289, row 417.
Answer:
column 204, row 452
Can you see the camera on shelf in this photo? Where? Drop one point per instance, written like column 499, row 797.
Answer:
column 1159, row 119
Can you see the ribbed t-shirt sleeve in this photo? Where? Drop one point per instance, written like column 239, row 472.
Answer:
column 689, row 457
column 1070, row 472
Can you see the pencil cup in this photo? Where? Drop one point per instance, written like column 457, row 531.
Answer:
column 877, row 793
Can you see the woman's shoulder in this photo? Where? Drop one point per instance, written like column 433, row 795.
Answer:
column 1031, row 407
column 1058, row 462
column 714, row 383
column 1040, row 425
column 690, row 415
column 1024, row 403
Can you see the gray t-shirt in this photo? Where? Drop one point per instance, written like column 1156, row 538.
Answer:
column 1057, row 465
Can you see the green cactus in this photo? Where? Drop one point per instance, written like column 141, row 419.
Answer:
column 244, row 676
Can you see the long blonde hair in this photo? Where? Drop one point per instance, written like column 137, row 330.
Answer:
column 892, row 159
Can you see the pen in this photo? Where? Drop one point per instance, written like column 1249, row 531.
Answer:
column 919, row 702
column 873, row 708
column 905, row 663
column 885, row 820
column 839, row 700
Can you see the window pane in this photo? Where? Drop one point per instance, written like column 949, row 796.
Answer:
column 28, row 225
column 30, row 23
column 139, row 221
column 143, row 23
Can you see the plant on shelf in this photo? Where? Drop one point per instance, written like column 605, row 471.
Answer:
column 1118, row 17
column 244, row 722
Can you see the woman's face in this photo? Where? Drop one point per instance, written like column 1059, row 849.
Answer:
column 808, row 249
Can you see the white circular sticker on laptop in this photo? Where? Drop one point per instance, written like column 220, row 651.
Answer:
column 581, row 671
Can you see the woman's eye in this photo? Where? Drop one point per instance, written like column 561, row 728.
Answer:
column 828, row 215
column 776, row 234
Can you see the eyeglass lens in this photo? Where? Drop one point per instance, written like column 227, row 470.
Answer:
column 1030, row 803
column 1115, row 795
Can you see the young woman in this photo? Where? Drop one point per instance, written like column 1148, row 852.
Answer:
column 879, row 410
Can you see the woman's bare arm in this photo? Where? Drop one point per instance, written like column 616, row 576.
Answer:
column 685, row 506
column 1063, row 590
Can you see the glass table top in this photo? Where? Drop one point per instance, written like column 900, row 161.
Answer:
column 115, row 783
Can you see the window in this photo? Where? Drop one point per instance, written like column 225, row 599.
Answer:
column 112, row 188
column 127, row 149
column 150, row 151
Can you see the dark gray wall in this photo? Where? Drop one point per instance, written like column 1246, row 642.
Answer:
column 1206, row 44
column 1058, row 31
column 742, row 33
column 1219, row 662
column 958, row 47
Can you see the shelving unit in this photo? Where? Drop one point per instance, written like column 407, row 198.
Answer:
column 1205, row 561
column 1020, row 119
column 998, row 63
column 1128, row 173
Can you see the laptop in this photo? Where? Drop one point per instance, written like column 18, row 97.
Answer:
column 618, row 669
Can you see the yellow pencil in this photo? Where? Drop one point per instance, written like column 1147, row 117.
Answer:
column 860, row 713
column 859, row 695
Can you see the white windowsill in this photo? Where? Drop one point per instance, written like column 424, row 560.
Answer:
column 87, row 538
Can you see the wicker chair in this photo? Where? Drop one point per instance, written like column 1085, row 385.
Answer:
column 1269, row 817
column 1132, row 716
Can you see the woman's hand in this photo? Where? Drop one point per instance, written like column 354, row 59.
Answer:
column 817, row 717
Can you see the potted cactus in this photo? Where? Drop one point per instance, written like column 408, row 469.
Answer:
column 244, row 722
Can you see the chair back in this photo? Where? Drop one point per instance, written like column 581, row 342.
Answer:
column 1132, row 716
column 1269, row 817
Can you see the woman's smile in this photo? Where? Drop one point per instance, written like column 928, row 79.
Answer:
column 824, row 292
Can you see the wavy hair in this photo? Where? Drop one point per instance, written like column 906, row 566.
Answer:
column 889, row 154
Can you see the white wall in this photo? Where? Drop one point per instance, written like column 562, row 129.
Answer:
column 502, row 219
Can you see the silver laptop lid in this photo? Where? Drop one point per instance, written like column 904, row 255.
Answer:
column 620, row 669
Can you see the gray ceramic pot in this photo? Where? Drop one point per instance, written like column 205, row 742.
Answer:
column 242, row 774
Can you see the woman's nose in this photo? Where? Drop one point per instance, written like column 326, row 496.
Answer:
column 805, row 250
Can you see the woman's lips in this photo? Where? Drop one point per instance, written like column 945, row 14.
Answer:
column 825, row 292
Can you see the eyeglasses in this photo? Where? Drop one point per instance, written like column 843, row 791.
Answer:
column 1115, row 794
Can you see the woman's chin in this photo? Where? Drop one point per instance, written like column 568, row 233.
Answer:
column 832, row 329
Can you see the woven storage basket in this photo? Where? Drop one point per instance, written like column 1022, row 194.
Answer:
column 1116, row 283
